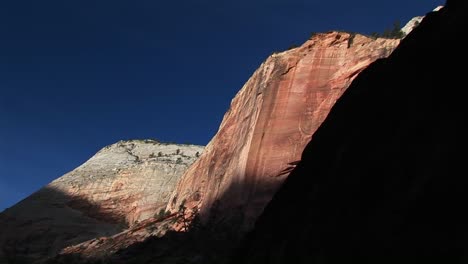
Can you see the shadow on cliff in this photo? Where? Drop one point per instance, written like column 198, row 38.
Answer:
column 212, row 240
column 49, row 220
column 384, row 178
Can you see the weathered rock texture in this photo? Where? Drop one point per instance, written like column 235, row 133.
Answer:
column 383, row 180
column 122, row 184
column 268, row 124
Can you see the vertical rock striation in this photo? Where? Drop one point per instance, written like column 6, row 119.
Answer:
column 383, row 179
column 268, row 124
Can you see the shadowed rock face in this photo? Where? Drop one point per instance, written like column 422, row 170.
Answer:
column 122, row 184
column 269, row 123
column 383, row 180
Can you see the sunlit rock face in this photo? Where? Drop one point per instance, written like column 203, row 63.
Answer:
column 123, row 184
column 259, row 142
column 268, row 124
column 415, row 21
column 130, row 180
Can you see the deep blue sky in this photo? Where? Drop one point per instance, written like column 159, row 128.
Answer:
column 78, row 75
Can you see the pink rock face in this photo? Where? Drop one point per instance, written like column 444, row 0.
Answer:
column 269, row 123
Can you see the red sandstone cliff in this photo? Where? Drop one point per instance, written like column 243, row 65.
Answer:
column 383, row 179
column 269, row 123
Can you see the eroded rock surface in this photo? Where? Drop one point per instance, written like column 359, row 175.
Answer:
column 123, row 184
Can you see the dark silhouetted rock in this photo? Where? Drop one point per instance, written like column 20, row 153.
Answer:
column 383, row 179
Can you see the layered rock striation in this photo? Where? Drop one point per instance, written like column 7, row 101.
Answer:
column 122, row 185
column 271, row 119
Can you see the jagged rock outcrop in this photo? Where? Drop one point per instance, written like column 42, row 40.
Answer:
column 268, row 124
column 123, row 184
column 383, row 179
column 415, row 21
column 412, row 24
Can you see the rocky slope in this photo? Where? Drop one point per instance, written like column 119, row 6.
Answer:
column 268, row 125
column 123, row 184
column 383, row 179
